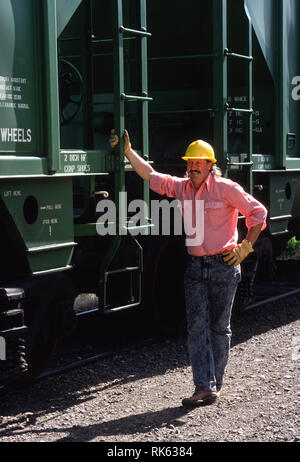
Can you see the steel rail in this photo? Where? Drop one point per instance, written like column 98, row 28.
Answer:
column 149, row 341
column 272, row 299
column 96, row 357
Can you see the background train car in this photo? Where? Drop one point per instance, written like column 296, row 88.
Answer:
column 170, row 72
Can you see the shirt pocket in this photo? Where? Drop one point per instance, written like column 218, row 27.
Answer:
column 211, row 205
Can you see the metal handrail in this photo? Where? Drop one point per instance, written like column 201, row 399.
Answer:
column 123, row 96
column 142, row 33
column 237, row 55
column 238, row 109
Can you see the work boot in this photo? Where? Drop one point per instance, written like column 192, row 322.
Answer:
column 201, row 398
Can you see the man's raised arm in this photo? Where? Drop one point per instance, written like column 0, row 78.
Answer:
column 141, row 167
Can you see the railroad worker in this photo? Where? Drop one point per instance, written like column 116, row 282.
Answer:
column 213, row 269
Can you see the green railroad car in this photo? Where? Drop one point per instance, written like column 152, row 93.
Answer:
column 227, row 71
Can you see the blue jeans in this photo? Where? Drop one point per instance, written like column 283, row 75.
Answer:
column 210, row 287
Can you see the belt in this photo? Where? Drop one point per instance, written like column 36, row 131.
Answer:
column 217, row 256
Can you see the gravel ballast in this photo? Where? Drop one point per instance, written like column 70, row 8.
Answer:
column 136, row 396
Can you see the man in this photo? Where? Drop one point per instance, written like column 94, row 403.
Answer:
column 213, row 269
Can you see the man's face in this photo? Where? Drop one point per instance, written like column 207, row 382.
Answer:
column 198, row 171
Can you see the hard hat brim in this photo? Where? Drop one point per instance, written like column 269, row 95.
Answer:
column 199, row 158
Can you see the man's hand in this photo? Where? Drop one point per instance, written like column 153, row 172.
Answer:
column 114, row 140
column 139, row 165
column 127, row 144
column 235, row 256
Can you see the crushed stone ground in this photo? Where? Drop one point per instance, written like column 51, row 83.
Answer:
column 136, row 396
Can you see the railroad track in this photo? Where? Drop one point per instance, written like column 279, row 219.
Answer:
column 279, row 290
column 96, row 357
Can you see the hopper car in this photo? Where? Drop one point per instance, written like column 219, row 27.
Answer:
column 227, row 71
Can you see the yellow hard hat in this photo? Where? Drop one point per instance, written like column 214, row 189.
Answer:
column 200, row 150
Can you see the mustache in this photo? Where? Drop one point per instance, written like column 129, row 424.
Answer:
column 194, row 171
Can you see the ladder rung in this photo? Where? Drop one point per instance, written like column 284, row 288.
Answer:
column 247, row 164
column 142, row 33
column 185, row 111
column 129, row 228
column 237, row 55
column 280, row 217
column 122, row 270
column 134, row 97
column 109, row 40
column 237, row 109
column 168, row 58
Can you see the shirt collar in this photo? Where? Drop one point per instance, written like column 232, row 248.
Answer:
column 207, row 183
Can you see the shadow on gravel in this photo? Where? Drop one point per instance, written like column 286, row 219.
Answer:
column 145, row 422
column 51, row 397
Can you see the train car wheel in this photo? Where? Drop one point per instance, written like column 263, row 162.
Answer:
column 41, row 354
column 45, row 333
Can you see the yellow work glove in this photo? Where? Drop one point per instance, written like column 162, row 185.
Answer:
column 235, row 256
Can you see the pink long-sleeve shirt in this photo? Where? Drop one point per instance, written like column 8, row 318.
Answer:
column 218, row 202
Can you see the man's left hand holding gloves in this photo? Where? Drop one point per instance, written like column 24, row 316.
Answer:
column 236, row 255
